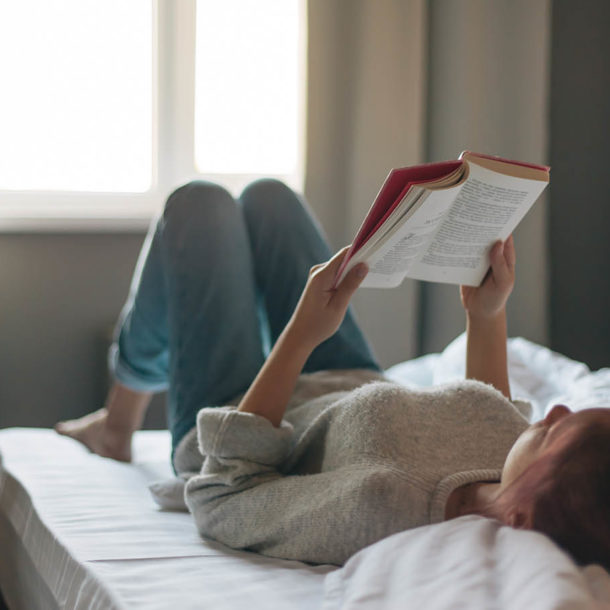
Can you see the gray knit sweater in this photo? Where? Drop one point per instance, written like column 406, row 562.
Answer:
column 356, row 458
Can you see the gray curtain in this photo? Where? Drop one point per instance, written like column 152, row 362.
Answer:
column 399, row 82
column 366, row 114
column 488, row 74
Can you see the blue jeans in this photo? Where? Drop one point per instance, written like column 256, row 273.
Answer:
column 215, row 284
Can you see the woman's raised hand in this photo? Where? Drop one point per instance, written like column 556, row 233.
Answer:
column 321, row 308
column 317, row 316
column 489, row 299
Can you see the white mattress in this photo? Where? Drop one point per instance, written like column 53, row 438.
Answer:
column 80, row 531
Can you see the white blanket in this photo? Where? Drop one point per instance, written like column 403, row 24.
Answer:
column 537, row 374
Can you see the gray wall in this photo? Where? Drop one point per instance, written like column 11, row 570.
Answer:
column 59, row 297
column 579, row 214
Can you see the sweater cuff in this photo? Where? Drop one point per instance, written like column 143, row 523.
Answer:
column 224, row 432
column 524, row 407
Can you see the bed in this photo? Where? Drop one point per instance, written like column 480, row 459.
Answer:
column 80, row 531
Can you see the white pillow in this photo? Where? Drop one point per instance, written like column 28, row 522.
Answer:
column 470, row 562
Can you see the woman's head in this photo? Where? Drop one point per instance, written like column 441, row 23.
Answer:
column 556, row 480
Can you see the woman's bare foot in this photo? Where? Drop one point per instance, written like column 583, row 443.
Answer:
column 98, row 436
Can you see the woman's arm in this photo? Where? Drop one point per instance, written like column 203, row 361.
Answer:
column 485, row 307
column 486, row 352
column 318, row 315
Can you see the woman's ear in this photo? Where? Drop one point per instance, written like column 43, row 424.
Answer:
column 519, row 519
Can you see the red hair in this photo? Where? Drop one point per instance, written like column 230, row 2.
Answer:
column 566, row 495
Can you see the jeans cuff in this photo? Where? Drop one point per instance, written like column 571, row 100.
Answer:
column 125, row 375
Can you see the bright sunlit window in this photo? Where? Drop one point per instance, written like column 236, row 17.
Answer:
column 247, row 86
column 108, row 105
column 76, row 103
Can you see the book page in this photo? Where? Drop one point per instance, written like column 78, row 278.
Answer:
column 411, row 200
column 390, row 251
column 392, row 258
column 370, row 251
column 394, row 199
column 488, row 207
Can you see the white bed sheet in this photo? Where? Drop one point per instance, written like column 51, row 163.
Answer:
column 98, row 540
column 87, row 534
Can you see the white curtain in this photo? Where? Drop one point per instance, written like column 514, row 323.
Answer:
column 398, row 82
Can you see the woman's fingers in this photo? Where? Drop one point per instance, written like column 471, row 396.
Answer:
column 331, row 264
column 509, row 252
column 335, row 262
column 345, row 290
column 327, row 271
column 499, row 264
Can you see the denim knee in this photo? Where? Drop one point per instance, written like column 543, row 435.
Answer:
column 270, row 199
column 195, row 198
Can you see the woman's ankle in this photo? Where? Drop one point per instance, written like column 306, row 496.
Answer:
column 125, row 409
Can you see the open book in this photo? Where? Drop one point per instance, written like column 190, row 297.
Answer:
column 438, row 221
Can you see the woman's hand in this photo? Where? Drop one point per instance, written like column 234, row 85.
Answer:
column 317, row 316
column 321, row 308
column 489, row 299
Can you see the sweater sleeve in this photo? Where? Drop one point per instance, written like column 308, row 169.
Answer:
column 241, row 499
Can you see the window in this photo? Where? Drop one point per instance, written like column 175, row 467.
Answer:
column 107, row 105
column 258, row 78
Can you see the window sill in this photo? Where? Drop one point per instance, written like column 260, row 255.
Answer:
column 66, row 224
column 53, row 212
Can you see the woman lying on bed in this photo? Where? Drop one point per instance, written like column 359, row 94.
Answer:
column 323, row 455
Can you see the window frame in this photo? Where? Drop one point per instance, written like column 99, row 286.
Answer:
column 173, row 147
